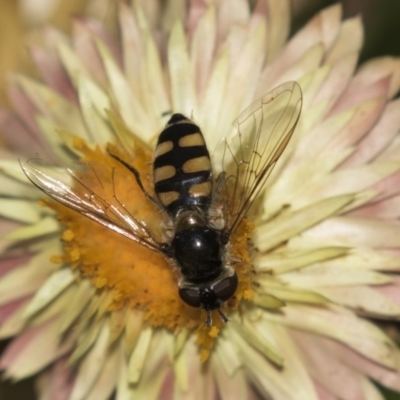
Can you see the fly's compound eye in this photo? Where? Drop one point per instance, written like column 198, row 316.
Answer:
column 190, row 296
column 210, row 297
column 226, row 288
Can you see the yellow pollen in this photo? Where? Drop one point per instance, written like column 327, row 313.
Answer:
column 67, row 235
column 204, row 354
column 100, row 282
column 248, row 294
column 138, row 277
column 213, row 332
column 75, row 254
column 56, row 259
column 79, row 143
column 117, row 295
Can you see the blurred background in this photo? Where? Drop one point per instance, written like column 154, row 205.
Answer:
column 20, row 19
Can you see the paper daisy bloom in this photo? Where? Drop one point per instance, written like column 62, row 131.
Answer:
column 95, row 312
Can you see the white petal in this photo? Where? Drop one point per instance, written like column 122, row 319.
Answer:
column 20, row 210
column 325, row 275
column 282, row 228
column 182, row 84
column 91, row 366
column 356, row 232
column 45, row 226
column 54, row 285
column 363, row 300
column 342, row 325
column 94, row 102
column 129, row 105
column 289, row 260
column 138, row 357
column 105, row 383
column 40, row 346
column 28, row 278
column 81, row 299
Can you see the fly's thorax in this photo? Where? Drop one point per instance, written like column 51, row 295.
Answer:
column 182, row 167
column 197, row 248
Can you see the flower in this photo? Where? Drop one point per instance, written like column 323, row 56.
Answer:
column 94, row 313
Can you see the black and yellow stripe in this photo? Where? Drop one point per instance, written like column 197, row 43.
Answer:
column 182, row 166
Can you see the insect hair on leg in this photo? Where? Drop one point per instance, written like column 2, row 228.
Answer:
column 96, row 175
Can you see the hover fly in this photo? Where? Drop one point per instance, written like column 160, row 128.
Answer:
column 205, row 207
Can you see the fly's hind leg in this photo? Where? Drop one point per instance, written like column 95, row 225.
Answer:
column 136, row 174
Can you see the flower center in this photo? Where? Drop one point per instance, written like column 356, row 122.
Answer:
column 134, row 275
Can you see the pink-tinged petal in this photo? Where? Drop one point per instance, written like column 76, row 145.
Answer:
column 9, row 309
column 307, row 63
column 91, row 366
column 392, row 152
column 259, row 15
column 26, row 279
column 387, row 187
column 346, row 231
column 370, row 391
column 33, row 350
column 349, row 40
column 9, row 263
column 378, row 68
column 306, row 38
column 52, row 38
column 105, row 383
column 323, row 393
column 84, row 45
column 344, row 181
column 384, row 376
column 231, row 13
column 278, row 26
column 98, row 30
column 7, row 226
column 391, row 291
column 331, row 24
column 57, row 382
column 380, row 136
column 191, row 380
column 132, row 45
column 290, row 382
column 196, row 10
column 354, row 95
column 25, row 109
column 386, row 209
column 337, row 80
column 173, row 11
column 153, row 10
column 19, row 136
column 334, row 375
column 53, row 73
column 167, row 386
column 366, row 300
column 229, row 386
column 340, row 324
column 365, row 116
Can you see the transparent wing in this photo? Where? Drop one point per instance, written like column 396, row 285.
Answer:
column 66, row 187
column 261, row 134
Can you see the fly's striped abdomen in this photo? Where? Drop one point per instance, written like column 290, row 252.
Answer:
column 182, row 167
